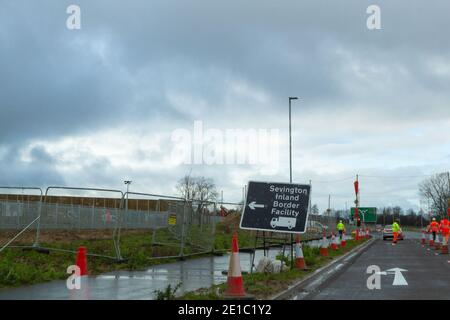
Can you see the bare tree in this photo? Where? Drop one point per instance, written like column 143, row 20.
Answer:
column 437, row 190
column 205, row 191
column 199, row 192
column 185, row 187
column 315, row 209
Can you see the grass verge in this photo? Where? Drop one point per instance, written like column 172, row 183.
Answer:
column 25, row 267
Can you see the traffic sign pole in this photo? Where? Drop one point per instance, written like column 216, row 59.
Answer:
column 356, row 216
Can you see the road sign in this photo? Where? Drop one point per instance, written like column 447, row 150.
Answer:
column 366, row 214
column 172, row 219
column 277, row 207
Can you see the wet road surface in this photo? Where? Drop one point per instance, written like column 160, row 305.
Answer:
column 427, row 274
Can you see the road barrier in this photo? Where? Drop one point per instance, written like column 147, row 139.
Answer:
column 141, row 225
column 168, row 223
column 200, row 227
column 63, row 218
column 89, row 217
column 177, row 228
column 19, row 212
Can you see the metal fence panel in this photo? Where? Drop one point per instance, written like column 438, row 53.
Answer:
column 19, row 212
column 68, row 222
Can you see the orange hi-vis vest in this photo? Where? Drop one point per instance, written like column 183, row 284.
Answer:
column 445, row 226
column 434, row 226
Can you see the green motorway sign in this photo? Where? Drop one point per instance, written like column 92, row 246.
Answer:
column 366, row 214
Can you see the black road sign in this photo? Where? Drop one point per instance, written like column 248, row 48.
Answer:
column 277, row 207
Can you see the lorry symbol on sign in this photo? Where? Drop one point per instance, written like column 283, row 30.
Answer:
column 283, row 222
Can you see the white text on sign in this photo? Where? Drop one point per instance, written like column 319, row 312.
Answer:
column 283, row 194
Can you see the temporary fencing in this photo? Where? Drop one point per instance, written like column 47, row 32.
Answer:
column 19, row 213
column 72, row 217
column 117, row 225
column 319, row 224
column 108, row 221
column 155, row 226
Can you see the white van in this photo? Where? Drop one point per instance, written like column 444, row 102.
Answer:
column 283, row 222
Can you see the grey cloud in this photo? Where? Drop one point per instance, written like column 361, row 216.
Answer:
column 123, row 68
column 38, row 172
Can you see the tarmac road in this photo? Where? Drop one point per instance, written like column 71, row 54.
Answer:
column 427, row 275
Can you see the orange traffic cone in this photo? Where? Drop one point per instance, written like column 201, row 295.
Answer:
column 235, row 285
column 423, row 238
column 334, row 245
column 82, row 261
column 367, row 233
column 343, row 241
column 324, row 246
column 299, row 259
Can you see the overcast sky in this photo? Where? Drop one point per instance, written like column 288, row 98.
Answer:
column 95, row 106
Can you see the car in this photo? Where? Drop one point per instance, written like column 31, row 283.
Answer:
column 388, row 234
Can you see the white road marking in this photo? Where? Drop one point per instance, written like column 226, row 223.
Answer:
column 399, row 279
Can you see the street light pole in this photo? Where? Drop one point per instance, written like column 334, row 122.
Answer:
column 290, row 139
column 127, row 183
column 290, row 171
column 448, row 199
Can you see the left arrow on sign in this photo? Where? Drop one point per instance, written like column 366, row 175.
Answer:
column 252, row 205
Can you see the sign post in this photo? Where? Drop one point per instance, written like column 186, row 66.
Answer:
column 276, row 207
column 356, row 185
